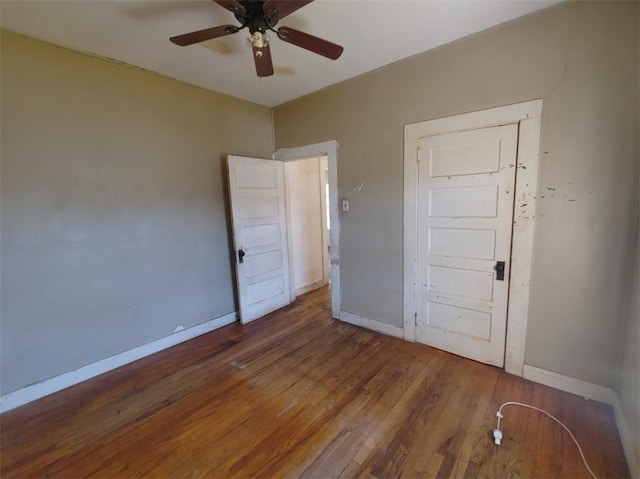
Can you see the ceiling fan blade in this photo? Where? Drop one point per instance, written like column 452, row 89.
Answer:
column 262, row 58
column 232, row 5
column 278, row 9
column 202, row 35
column 311, row 43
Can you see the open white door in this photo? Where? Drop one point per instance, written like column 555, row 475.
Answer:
column 465, row 210
column 257, row 197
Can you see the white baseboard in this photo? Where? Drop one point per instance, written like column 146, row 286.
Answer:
column 310, row 287
column 630, row 444
column 367, row 323
column 35, row 391
column 568, row 384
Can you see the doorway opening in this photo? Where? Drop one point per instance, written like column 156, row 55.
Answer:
column 327, row 152
column 307, row 223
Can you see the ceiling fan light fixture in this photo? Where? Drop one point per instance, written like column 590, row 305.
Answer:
column 258, row 39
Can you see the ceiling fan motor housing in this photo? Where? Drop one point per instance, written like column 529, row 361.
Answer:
column 255, row 18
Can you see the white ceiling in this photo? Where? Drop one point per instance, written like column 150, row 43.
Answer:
column 373, row 32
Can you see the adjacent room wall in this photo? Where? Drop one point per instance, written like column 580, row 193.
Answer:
column 114, row 229
column 306, row 217
column 581, row 58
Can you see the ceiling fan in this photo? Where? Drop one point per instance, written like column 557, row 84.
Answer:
column 260, row 16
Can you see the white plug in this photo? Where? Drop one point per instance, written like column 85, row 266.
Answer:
column 497, row 436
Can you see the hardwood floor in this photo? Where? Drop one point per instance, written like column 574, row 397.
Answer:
column 298, row 394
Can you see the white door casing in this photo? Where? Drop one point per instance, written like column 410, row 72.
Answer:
column 527, row 116
column 257, row 197
column 465, row 210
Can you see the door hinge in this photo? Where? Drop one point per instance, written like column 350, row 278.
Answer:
column 415, row 319
column 418, row 155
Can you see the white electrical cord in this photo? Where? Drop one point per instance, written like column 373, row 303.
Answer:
column 497, row 433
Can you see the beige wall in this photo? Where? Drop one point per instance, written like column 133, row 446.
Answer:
column 114, row 230
column 581, row 58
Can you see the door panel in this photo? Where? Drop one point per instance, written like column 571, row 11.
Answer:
column 460, row 282
column 256, row 188
column 459, row 320
column 463, row 202
column 462, row 242
column 268, row 234
column 465, row 210
column 453, row 160
column 257, row 207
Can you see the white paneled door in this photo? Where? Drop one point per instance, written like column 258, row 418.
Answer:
column 465, row 210
column 257, row 194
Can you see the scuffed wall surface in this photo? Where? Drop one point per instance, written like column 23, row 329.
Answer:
column 114, row 230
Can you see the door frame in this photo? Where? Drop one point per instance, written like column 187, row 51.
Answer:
column 330, row 150
column 528, row 117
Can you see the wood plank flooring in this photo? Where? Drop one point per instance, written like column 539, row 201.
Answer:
column 298, row 394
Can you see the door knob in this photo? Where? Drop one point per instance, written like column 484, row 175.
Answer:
column 499, row 267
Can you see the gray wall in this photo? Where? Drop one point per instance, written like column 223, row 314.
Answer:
column 114, row 228
column 581, row 58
